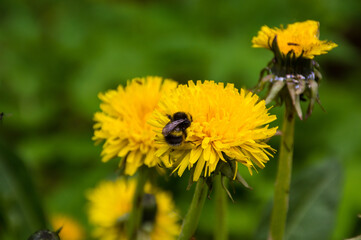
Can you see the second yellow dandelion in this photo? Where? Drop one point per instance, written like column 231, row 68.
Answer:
column 122, row 123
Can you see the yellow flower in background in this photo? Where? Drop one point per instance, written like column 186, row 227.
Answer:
column 70, row 229
column 122, row 123
column 225, row 125
column 302, row 38
column 110, row 204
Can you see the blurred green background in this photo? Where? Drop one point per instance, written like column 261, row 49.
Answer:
column 55, row 56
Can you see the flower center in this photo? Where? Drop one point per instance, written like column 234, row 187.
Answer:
column 291, row 65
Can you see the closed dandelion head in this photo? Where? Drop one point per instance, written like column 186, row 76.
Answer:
column 293, row 72
column 109, row 208
column 219, row 128
column 122, row 122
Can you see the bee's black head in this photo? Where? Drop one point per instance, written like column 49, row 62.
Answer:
column 180, row 115
column 183, row 116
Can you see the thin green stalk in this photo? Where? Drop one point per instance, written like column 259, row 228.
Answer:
column 220, row 232
column 283, row 179
column 191, row 220
column 135, row 216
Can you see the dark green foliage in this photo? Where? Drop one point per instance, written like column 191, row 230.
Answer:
column 21, row 212
column 314, row 197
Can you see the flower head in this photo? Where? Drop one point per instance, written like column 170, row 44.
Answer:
column 301, row 38
column 111, row 202
column 292, row 73
column 69, row 228
column 123, row 122
column 226, row 126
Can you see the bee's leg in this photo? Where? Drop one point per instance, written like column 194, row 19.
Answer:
column 184, row 133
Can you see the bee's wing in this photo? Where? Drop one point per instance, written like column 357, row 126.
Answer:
column 171, row 126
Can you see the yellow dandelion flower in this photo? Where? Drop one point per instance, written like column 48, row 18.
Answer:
column 70, row 229
column 301, row 38
column 110, row 206
column 123, row 122
column 225, row 125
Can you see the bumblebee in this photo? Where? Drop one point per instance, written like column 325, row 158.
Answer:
column 175, row 131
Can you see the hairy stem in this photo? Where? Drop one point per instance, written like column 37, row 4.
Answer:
column 283, row 179
column 220, row 231
column 191, row 220
column 135, row 216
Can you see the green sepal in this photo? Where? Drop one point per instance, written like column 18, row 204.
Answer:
column 294, row 97
column 263, row 81
column 313, row 85
column 273, row 93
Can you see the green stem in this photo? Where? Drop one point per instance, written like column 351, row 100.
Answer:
column 135, row 216
column 191, row 220
column 283, row 179
column 220, row 232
